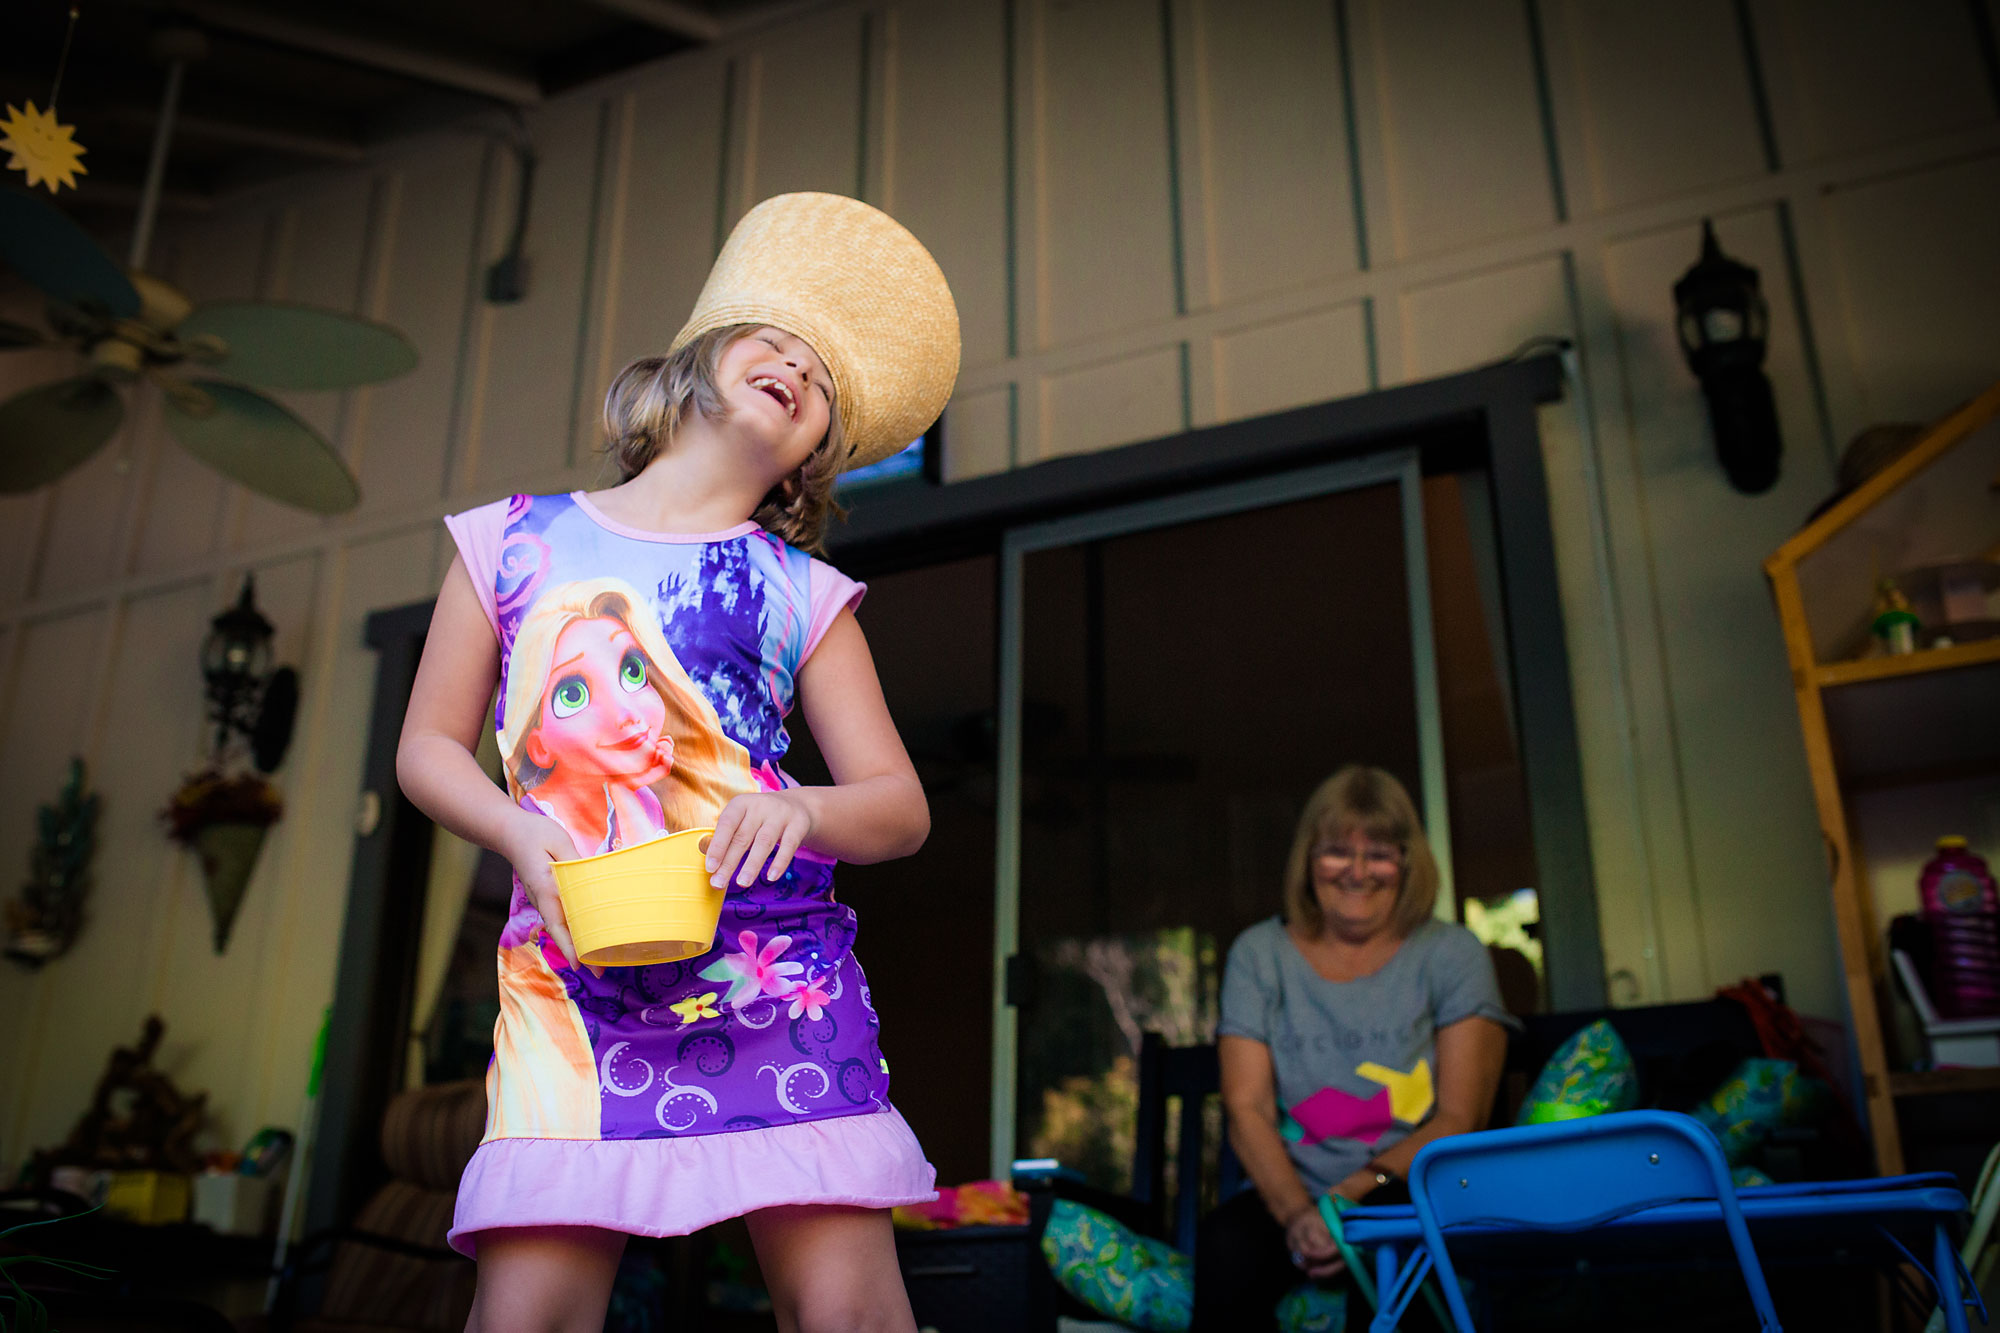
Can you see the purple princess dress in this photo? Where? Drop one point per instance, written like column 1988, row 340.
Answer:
column 644, row 681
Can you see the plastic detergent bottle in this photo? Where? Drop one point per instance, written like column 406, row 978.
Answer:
column 1963, row 909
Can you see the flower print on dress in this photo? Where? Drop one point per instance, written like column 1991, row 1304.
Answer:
column 695, row 1008
column 810, row 997
column 753, row 972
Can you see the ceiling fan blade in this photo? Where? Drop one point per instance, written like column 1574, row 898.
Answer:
column 258, row 442
column 46, row 431
column 285, row 346
column 54, row 254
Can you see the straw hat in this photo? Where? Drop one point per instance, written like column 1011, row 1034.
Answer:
column 861, row 291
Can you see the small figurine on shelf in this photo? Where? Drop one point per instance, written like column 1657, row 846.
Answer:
column 1895, row 625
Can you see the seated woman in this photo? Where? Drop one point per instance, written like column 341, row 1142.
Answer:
column 1355, row 1029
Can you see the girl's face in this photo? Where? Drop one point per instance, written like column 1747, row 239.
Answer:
column 1357, row 880
column 600, row 715
column 779, row 392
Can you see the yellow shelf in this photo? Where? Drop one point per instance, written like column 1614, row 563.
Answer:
column 1909, row 664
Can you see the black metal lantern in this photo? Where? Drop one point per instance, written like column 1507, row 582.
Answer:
column 1723, row 324
column 236, row 666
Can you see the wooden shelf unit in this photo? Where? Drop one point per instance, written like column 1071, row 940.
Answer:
column 1878, row 722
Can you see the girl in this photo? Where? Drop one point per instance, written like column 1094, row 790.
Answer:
column 647, row 643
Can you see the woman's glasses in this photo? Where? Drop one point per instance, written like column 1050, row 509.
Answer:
column 1373, row 861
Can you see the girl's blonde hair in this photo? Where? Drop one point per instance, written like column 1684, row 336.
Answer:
column 709, row 767
column 1368, row 801
column 650, row 399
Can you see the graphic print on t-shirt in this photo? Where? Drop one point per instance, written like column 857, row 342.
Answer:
column 1332, row 1113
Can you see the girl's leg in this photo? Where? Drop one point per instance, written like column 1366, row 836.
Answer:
column 544, row 1279
column 831, row 1270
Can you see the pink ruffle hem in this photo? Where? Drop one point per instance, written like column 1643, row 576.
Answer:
column 670, row 1187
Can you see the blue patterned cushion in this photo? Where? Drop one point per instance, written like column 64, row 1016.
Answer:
column 1307, row 1308
column 1116, row 1271
column 1590, row 1074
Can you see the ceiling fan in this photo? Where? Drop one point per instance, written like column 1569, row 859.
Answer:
column 130, row 325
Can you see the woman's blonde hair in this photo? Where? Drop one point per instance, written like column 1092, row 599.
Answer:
column 650, row 399
column 1368, row 801
column 709, row 767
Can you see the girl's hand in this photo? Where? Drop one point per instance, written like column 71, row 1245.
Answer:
column 1312, row 1244
column 532, row 841
column 751, row 829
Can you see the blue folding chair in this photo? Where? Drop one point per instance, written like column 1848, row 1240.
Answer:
column 1569, row 1176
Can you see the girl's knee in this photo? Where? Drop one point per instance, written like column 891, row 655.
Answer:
column 855, row 1312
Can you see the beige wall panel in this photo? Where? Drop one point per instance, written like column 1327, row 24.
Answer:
column 803, row 128
column 945, row 150
column 149, row 734
column 1098, row 153
column 1467, row 321
column 665, row 226
column 428, row 236
column 20, row 523
column 44, row 719
column 1271, row 138
column 1291, row 362
column 979, row 433
column 85, row 526
column 1848, row 75
column 324, row 241
column 1634, row 71
column 1097, row 406
column 1453, row 150
column 1918, row 282
column 1753, row 841
column 322, row 783
column 21, row 516
column 525, row 376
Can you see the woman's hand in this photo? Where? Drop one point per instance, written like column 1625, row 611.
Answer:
column 751, row 830
column 1312, row 1244
column 532, row 840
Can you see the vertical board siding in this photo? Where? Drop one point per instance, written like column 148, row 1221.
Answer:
column 428, row 227
column 1269, row 133
column 1918, row 279
column 1449, row 121
column 1850, row 75
column 945, row 156
column 1099, row 152
column 1733, row 756
column 1659, row 95
column 803, row 127
column 1152, row 212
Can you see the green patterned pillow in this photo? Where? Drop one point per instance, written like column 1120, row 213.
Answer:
column 1590, row 1074
column 1116, row 1271
column 1308, row 1308
column 1761, row 1095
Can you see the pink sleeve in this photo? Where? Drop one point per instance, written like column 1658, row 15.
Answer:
column 477, row 533
column 828, row 593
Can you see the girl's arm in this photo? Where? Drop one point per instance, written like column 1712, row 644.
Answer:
column 875, row 811
column 1470, row 1054
column 1250, row 1097
column 449, row 704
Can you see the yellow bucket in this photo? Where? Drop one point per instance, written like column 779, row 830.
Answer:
column 641, row 905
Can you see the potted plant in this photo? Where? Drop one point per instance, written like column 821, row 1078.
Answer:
column 223, row 817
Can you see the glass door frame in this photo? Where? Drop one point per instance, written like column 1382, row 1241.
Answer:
column 1398, row 467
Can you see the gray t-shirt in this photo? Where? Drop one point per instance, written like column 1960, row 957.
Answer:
column 1355, row 1061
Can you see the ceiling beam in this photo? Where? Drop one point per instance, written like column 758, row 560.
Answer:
column 225, row 130
column 682, row 20
column 119, row 194
column 514, row 86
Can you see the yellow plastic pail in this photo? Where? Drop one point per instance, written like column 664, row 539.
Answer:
column 641, row 905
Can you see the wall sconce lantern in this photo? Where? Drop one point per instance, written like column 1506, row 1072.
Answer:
column 244, row 695
column 1723, row 324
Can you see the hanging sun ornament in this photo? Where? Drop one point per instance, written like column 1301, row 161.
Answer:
column 36, row 144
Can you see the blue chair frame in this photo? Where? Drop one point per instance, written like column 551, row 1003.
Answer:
column 1570, row 1176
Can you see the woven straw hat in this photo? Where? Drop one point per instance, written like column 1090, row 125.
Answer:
column 861, row 291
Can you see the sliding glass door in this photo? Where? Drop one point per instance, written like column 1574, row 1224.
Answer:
column 1175, row 676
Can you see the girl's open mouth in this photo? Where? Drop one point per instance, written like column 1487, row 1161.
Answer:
column 779, row 390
